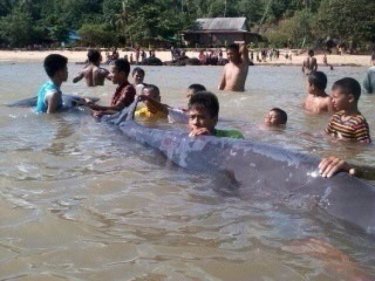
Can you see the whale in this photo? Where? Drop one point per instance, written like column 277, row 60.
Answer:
column 260, row 170
column 69, row 101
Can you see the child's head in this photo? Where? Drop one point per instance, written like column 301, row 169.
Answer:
column 345, row 94
column 56, row 67
column 138, row 75
column 151, row 91
column 94, row 56
column 120, row 71
column 317, row 81
column 233, row 52
column 276, row 117
column 193, row 89
column 311, row 53
column 203, row 111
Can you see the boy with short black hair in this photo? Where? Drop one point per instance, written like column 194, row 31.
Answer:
column 50, row 96
column 93, row 73
column 276, row 117
column 138, row 75
column 150, row 93
column 347, row 123
column 124, row 94
column 317, row 100
column 203, row 117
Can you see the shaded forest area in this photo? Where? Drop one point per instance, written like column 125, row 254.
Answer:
column 292, row 23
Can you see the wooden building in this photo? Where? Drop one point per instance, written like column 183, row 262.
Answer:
column 218, row 32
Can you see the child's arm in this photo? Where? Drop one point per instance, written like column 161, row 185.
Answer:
column 78, row 77
column 156, row 104
column 244, row 52
column 53, row 103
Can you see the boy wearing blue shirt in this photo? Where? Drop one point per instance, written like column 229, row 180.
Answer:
column 49, row 95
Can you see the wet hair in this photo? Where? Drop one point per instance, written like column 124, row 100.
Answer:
column 53, row 63
column 195, row 88
column 93, row 55
column 318, row 79
column 282, row 114
column 348, row 86
column 152, row 88
column 207, row 100
column 310, row 52
column 138, row 70
column 122, row 65
column 234, row 47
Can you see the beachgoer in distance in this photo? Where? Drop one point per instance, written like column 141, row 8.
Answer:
column 369, row 81
column 93, row 73
column 203, row 117
column 50, row 96
column 124, row 94
column 309, row 64
column 235, row 71
column 325, row 61
column 317, row 100
column 276, row 117
column 149, row 111
column 138, row 75
column 175, row 114
column 347, row 123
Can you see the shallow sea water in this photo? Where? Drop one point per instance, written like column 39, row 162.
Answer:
column 79, row 201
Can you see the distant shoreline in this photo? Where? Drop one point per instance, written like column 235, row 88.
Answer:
column 19, row 56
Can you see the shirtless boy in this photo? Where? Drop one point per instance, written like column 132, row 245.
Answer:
column 203, row 117
column 235, row 71
column 347, row 123
column 310, row 64
column 317, row 100
column 50, row 96
column 276, row 117
column 124, row 94
column 93, row 73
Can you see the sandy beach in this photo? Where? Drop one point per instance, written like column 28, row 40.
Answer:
column 16, row 56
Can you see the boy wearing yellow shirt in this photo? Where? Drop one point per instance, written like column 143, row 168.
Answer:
column 149, row 111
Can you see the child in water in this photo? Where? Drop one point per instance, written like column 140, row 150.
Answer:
column 347, row 123
column 50, row 96
column 317, row 100
column 276, row 117
column 150, row 111
column 203, row 117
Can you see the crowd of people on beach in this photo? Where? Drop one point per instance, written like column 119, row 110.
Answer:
column 202, row 110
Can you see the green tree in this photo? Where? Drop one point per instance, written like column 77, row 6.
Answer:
column 349, row 20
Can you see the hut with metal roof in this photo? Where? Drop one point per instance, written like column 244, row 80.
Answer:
column 215, row 32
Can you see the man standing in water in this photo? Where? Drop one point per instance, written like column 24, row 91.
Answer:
column 93, row 73
column 310, row 64
column 235, row 72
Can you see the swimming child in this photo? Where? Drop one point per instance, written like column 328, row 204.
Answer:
column 317, row 100
column 138, row 75
column 175, row 114
column 124, row 94
column 347, row 123
column 149, row 111
column 93, row 73
column 276, row 117
column 50, row 96
column 203, row 117
column 310, row 64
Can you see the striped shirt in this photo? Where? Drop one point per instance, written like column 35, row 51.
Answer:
column 354, row 128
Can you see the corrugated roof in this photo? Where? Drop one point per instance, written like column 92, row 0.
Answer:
column 207, row 24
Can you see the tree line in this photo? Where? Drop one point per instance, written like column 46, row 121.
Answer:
column 295, row 23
